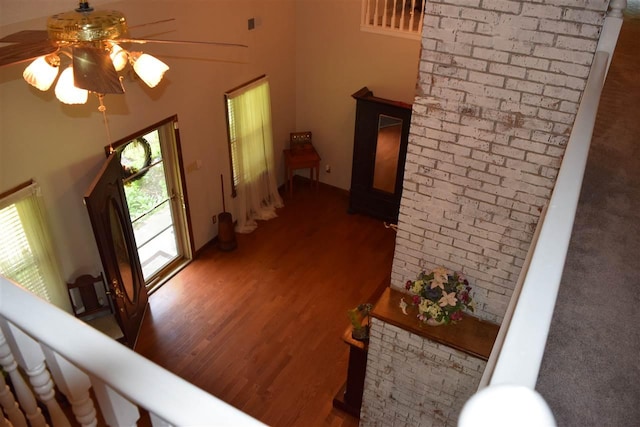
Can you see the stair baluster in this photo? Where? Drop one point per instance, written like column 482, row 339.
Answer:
column 74, row 384
column 116, row 410
column 29, row 355
column 10, row 406
column 23, row 392
column 157, row 421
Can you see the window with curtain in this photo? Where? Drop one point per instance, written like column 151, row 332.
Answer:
column 251, row 151
column 26, row 251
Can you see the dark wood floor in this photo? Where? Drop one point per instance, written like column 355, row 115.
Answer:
column 261, row 327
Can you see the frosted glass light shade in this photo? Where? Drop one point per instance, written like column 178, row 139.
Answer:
column 118, row 57
column 149, row 69
column 66, row 92
column 40, row 74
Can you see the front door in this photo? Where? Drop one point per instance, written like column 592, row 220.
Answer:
column 153, row 181
column 111, row 224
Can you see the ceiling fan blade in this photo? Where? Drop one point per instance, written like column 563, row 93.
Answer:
column 148, row 24
column 26, row 36
column 21, row 52
column 158, row 41
column 94, row 71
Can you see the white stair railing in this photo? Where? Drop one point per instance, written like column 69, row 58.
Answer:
column 25, row 396
column 10, row 406
column 506, row 394
column 400, row 18
column 30, row 358
column 52, row 347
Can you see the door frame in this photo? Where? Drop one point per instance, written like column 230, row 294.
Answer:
column 155, row 282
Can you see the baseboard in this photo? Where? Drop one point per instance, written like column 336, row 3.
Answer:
column 282, row 189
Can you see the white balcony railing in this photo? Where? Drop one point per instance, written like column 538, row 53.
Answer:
column 51, row 348
column 400, row 18
column 506, row 393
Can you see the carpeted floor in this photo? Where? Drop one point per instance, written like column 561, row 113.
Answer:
column 590, row 374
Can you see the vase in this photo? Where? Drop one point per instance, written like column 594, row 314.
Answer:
column 360, row 334
column 433, row 322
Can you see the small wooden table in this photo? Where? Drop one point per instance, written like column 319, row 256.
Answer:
column 301, row 159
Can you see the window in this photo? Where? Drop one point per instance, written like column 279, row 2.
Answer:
column 233, row 142
column 248, row 114
column 26, row 251
column 401, row 18
column 251, row 152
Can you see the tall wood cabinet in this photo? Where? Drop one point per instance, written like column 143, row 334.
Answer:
column 379, row 152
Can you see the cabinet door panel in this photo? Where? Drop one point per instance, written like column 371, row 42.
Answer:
column 379, row 152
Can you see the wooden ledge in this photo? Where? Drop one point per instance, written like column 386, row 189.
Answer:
column 346, row 337
column 471, row 335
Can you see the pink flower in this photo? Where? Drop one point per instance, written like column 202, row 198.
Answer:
column 447, row 299
column 416, row 299
column 457, row 315
column 408, row 285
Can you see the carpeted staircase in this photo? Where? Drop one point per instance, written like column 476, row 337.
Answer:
column 590, row 374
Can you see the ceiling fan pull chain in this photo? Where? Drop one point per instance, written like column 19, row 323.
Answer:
column 103, row 109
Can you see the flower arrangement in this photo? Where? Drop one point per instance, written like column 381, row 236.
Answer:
column 440, row 296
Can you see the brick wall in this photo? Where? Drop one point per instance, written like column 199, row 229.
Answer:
column 412, row 381
column 499, row 86
column 498, row 90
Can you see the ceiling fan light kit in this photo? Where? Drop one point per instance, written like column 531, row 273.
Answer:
column 67, row 92
column 89, row 38
column 118, row 56
column 148, row 68
column 42, row 72
column 91, row 41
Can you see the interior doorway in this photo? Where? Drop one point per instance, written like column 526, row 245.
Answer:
column 153, row 180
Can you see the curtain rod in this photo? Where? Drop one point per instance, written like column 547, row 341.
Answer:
column 17, row 193
column 246, row 86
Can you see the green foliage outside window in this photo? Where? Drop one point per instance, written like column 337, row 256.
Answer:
column 146, row 187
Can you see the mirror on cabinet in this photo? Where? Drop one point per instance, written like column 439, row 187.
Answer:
column 379, row 152
column 385, row 166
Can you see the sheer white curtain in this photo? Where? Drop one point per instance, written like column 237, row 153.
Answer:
column 27, row 254
column 256, row 187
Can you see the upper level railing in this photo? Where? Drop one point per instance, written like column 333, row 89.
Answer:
column 52, row 348
column 400, row 18
column 506, row 391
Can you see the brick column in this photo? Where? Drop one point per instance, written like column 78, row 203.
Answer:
column 499, row 86
column 413, row 381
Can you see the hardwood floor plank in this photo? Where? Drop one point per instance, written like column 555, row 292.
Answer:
column 260, row 327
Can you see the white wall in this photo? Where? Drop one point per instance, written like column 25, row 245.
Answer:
column 312, row 50
column 61, row 146
column 333, row 60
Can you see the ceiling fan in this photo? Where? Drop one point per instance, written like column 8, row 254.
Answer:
column 91, row 40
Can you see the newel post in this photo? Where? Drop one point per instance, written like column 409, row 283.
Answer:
column 616, row 7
